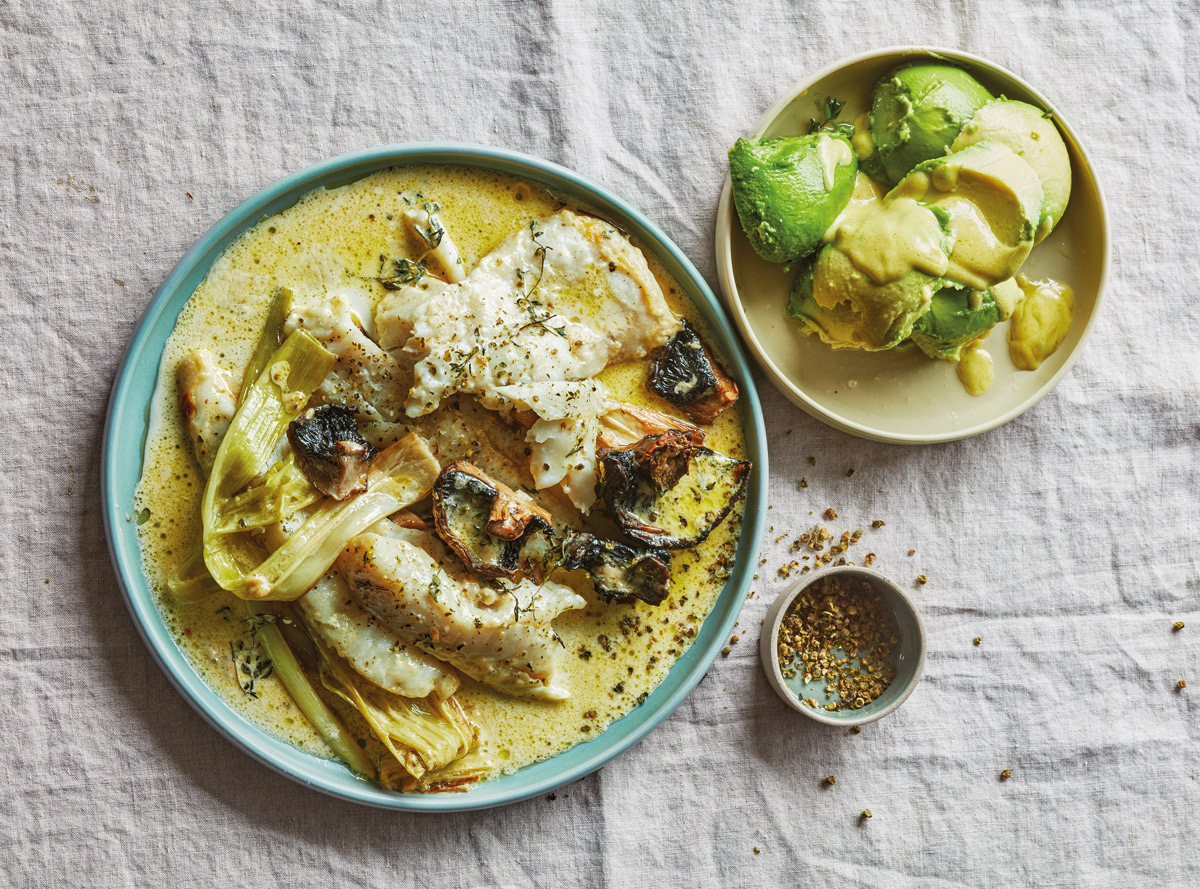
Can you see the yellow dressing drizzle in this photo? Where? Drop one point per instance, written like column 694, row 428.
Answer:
column 832, row 153
column 1040, row 322
column 975, row 370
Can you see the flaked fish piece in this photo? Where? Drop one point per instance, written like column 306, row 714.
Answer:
column 366, row 377
column 394, row 313
column 503, row 638
column 562, row 437
column 208, row 396
column 426, row 225
column 559, row 300
column 625, row 424
column 377, row 654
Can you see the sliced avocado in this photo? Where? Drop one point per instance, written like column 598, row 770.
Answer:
column 847, row 310
column 836, row 327
column 955, row 318
column 992, row 200
column 1032, row 135
column 788, row 191
column 918, row 110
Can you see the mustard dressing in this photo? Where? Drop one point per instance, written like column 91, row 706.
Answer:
column 1040, row 322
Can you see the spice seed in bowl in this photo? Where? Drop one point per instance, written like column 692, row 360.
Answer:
column 840, row 630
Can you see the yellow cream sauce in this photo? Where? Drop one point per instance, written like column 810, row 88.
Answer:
column 615, row 654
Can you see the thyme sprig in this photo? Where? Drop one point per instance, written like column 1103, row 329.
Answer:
column 833, row 108
column 250, row 665
column 397, row 273
column 536, row 311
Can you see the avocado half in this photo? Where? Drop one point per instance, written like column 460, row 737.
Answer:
column 918, row 111
column 788, row 191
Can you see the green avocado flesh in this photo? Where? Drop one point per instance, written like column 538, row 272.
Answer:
column 871, row 316
column 955, row 318
column 918, row 111
column 1030, row 133
column 788, row 191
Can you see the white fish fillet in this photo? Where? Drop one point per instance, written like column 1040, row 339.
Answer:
column 208, row 394
column 374, row 651
column 366, row 377
column 559, row 300
column 543, row 313
column 503, row 639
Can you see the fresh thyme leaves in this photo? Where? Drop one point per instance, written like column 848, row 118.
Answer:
column 459, row 367
column 833, row 108
column 435, row 586
column 255, row 622
column 399, row 272
column 539, row 315
column 249, row 665
column 433, row 234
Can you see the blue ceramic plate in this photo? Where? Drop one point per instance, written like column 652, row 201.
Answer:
column 124, row 442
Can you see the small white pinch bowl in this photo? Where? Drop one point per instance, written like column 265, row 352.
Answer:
column 909, row 654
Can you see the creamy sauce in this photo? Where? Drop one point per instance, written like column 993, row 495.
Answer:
column 975, row 370
column 900, row 236
column 832, row 153
column 862, row 141
column 615, row 654
column 1040, row 322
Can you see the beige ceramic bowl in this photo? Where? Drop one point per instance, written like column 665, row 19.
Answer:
column 905, row 397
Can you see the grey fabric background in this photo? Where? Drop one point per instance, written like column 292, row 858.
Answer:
column 1067, row 540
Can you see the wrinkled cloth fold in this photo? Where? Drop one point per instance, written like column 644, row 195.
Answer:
column 1066, row 541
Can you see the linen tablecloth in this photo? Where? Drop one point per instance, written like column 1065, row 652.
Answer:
column 1066, row 540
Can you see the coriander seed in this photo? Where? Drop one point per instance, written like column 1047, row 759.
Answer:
column 839, row 631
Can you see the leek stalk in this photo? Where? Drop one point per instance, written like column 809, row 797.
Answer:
column 269, row 404
column 424, row 735
column 399, row 476
column 269, row 340
column 291, row 674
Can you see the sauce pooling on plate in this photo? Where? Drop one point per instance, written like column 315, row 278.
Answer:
column 335, row 250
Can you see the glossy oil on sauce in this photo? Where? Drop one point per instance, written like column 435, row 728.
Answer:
column 615, row 654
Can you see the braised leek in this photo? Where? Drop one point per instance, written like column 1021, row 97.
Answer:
column 269, row 403
column 292, row 676
column 400, row 476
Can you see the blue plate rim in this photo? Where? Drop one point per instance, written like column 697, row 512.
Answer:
column 330, row 777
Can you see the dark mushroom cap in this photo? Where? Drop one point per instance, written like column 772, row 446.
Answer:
column 619, row 571
column 667, row 491
column 486, row 523
column 330, row 451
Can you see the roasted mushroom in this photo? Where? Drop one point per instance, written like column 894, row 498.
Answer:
column 619, row 571
column 668, row 491
column 486, row 523
column 330, row 451
column 684, row 372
